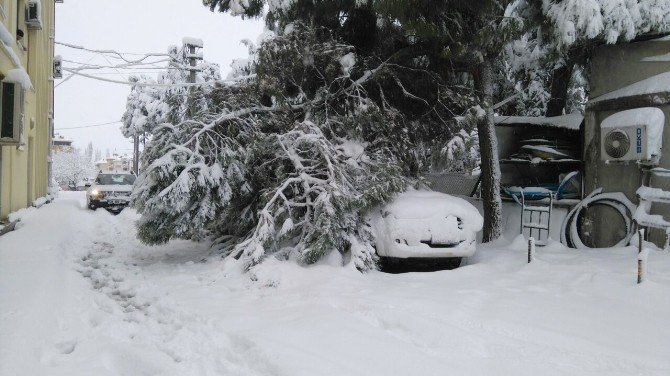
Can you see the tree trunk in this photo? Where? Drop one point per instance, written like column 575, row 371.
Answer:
column 488, row 147
column 560, row 82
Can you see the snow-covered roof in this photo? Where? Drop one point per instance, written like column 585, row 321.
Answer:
column 62, row 141
column 664, row 57
column 196, row 42
column 570, row 121
column 665, row 38
column 652, row 117
column 649, row 116
column 655, row 85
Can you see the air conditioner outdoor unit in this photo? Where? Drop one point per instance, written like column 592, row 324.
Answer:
column 58, row 67
column 632, row 135
column 625, row 143
column 34, row 14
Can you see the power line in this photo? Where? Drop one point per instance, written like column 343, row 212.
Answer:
column 120, row 65
column 71, row 75
column 89, row 126
column 113, row 52
column 135, row 83
column 117, row 69
column 146, row 65
column 130, row 72
column 145, row 84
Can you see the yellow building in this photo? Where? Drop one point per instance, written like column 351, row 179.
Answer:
column 26, row 101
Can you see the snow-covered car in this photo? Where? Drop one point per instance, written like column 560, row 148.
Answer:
column 111, row 191
column 426, row 225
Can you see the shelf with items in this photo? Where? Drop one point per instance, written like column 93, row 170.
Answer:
column 565, row 162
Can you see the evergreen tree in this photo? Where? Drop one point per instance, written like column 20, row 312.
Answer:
column 471, row 35
column 153, row 102
column 286, row 164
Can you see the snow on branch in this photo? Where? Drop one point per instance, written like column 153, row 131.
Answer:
column 283, row 163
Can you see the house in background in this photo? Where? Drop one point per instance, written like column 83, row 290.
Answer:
column 61, row 144
column 115, row 163
column 627, row 117
column 26, row 101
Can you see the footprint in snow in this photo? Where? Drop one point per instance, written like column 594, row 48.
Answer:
column 66, row 347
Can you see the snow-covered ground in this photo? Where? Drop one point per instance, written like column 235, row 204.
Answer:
column 79, row 295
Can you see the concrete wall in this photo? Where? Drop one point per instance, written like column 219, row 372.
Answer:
column 615, row 67
column 618, row 177
column 24, row 170
column 511, row 216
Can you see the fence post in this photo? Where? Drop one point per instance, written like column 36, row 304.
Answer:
column 642, row 265
column 641, row 257
column 531, row 249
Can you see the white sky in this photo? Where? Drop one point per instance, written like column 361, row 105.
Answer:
column 138, row 26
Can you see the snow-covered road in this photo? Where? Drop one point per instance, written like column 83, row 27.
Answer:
column 79, row 295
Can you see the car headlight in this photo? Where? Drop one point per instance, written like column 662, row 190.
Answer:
column 97, row 194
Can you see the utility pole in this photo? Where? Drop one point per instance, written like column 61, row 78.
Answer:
column 136, row 154
column 193, row 55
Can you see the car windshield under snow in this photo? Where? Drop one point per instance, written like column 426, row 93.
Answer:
column 116, row 179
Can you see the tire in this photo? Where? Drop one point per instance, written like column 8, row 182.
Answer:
column 418, row 264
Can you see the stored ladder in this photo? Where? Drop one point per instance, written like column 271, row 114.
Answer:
column 538, row 218
column 647, row 196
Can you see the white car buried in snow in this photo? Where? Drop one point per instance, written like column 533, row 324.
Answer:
column 423, row 227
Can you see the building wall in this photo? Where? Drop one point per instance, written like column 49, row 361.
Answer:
column 619, row 177
column 24, row 170
column 615, row 67
column 40, row 69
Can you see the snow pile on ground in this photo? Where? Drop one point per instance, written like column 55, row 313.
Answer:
column 80, row 296
column 40, row 201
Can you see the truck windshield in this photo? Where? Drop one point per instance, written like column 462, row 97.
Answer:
column 115, row 179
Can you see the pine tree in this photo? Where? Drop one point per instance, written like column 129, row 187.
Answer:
column 341, row 105
column 471, row 35
column 286, row 164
